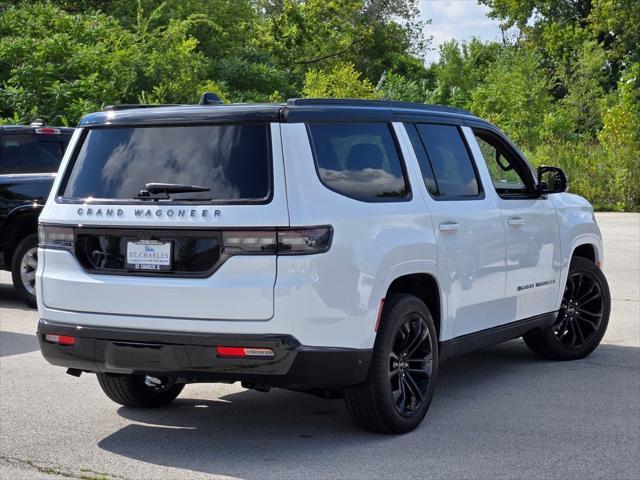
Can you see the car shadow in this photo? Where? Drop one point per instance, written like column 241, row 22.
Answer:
column 286, row 434
column 10, row 299
column 12, row 343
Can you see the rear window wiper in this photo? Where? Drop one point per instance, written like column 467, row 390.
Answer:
column 168, row 188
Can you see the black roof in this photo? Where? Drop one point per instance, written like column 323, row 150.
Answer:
column 183, row 114
column 388, row 104
column 294, row 110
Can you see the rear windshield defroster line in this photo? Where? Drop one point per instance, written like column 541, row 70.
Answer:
column 114, row 164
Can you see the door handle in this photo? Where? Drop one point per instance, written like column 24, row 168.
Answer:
column 515, row 221
column 449, row 226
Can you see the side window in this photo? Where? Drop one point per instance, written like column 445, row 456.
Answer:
column 453, row 170
column 27, row 154
column 359, row 160
column 423, row 160
column 507, row 173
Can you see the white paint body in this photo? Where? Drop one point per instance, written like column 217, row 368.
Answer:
column 332, row 299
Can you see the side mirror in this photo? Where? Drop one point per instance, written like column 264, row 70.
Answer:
column 551, row 180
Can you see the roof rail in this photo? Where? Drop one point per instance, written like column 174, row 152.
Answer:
column 129, row 106
column 353, row 102
column 206, row 99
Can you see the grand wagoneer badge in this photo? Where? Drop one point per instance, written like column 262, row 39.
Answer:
column 149, row 213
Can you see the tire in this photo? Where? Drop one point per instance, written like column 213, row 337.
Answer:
column 23, row 269
column 373, row 405
column 583, row 317
column 132, row 391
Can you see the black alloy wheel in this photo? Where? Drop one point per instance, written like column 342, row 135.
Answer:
column 410, row 364
column 581, row 312
column 582, row 319
column 399, row 388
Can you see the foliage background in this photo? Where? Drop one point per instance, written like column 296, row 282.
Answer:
column 565, row 87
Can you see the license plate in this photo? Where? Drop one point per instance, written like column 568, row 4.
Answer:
column 149, row 255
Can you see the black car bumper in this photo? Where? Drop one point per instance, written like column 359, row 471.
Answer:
column 193, row 357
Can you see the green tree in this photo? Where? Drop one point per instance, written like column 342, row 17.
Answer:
column 565, row 87
column 515, row 96
column 452, row 74
column 374, row 35
column 60, row 66
column 616, row 25
column 393, row 86
column 621, row 136
column 579, row 113
column 342, row 81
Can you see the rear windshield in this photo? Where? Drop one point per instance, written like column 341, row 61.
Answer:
column 30, row 154
column 232, row 161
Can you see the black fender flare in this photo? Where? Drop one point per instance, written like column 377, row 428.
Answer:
column 15, row 215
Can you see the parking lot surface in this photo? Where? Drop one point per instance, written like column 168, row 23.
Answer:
column 497, row 413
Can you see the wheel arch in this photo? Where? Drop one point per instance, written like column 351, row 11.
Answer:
column 586, row 250
column 587, row 246
column 423, row 285
column 21, row 222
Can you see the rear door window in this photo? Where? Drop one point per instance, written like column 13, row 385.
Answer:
column 359, row 160
column 30, row 154
column 453, row 169
column 232, row 161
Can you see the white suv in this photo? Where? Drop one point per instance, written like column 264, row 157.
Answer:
column 328, row 246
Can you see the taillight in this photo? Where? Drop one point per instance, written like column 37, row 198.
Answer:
column 249, row 242
column 303, row 241
column 47, row 131
column 51, row 236
column 244, row 352
column 281, row 241
column 60, row 339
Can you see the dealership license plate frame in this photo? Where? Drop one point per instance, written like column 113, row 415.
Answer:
column 154, row 246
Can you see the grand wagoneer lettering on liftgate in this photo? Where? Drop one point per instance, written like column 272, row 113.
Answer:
column 147, row 213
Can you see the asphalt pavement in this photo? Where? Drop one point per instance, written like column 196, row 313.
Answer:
column 497, row 413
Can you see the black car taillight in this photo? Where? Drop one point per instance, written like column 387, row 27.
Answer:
column 280, row 241
column 47, row 131
column 301, row 241
column 239, row 242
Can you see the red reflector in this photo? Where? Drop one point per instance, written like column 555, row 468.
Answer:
column 244, row 352
column 379, row 315
column 60, row 339
column 230, row 351
column 48, row 131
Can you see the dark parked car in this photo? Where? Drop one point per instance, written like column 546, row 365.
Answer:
column 29, row 159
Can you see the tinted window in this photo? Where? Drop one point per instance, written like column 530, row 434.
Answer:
column 359, row 160
column 449, row 157
column 504, row 168
column 29, row 154
column 423, row 160
column 231, row 160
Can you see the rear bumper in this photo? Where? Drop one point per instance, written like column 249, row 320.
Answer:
column 192, row 356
